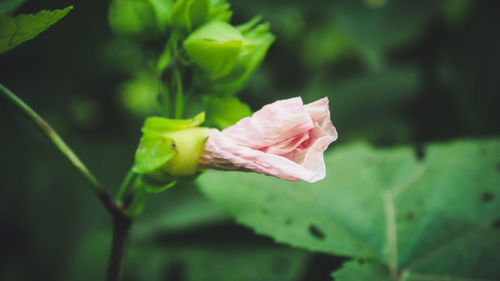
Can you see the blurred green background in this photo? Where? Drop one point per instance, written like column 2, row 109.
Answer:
column 396, row 72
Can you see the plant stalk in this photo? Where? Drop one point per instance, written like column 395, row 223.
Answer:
column 94, row 184
column 121, row 233
column 121, row 221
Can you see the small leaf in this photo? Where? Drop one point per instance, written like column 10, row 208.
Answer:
column 153, row 186
column 169, row 51
column 219, row 11
column 18, row 29
column 154, row 151
column 225, row 112
column 138, row 201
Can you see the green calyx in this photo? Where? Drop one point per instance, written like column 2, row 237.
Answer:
column 190, row 14
column 170, row 148
column 226, row 55
column 140, row 19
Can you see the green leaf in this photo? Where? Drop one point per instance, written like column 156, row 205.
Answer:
column 21, row 28
column 138, row 201
column 219, row 11
column 153, row 186
column 437, row 216
column 225, row 112
column 154, row 151
column 219, row 262
column 169, row 51
column 363, row 270
column 8, row 6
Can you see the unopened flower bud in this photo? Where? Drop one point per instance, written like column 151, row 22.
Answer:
column 227, row 55
column 170, row 148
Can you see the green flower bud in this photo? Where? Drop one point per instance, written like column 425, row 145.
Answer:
column 225, row 55
column 190, row 14
column 170, row 148
column 142, row 19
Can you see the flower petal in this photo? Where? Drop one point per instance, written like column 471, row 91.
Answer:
column 272, row 124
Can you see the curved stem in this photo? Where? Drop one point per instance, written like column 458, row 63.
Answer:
column 121, row 221
column 124, row 188
column 96, row 187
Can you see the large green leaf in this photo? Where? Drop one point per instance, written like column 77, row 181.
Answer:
column 360, row 270
column 16, row 30
column 439, row 216
column 219, row 263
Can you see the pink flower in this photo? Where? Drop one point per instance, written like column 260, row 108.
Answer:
column 285, row 139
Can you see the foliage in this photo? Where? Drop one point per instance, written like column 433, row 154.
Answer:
column 417, row 217
column 15, row 30
column 399, row 75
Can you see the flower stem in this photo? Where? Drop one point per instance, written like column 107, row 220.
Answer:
column 96, row 187
column 121, row 233
column 179, row 98
column 121, row 222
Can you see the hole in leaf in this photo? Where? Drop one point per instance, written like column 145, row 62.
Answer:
column 487, row 197
column 410, row 216
column 316, row 232
column 321, row 266
column 420, row 152
column 496, row 223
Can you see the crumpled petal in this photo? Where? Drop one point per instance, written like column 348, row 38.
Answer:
column 285, row 139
